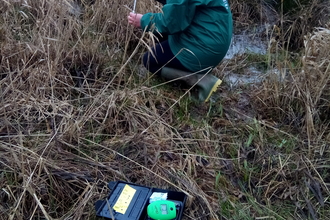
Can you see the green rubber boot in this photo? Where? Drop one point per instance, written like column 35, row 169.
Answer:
column 206, row 84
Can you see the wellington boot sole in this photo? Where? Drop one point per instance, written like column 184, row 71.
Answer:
column 214, row 89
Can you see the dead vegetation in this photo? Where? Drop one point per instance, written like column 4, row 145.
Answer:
column 75, row 113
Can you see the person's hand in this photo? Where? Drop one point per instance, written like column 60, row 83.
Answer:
column 134, row 19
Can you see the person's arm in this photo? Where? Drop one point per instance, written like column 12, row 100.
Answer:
column 176, row 17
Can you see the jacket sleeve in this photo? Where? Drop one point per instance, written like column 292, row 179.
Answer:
column 176, row 17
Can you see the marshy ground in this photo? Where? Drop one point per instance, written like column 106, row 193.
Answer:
column 77, row 111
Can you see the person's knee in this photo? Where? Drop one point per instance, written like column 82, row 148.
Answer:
column 150, row 63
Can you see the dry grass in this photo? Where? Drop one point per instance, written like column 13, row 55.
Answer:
column 74, row 115
column 299, row 101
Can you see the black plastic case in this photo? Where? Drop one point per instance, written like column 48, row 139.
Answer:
column 137, row 206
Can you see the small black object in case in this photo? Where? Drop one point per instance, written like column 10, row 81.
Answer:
column 128, row 201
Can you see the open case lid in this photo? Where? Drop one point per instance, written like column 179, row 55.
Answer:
column 128, row 201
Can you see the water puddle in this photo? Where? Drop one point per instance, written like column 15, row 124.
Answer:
column 242, row 44
column 235, row 79
column 246, row 43
column 252, row 76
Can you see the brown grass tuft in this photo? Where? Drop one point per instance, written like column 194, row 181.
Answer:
column 78, row 111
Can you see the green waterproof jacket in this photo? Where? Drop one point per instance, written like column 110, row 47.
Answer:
column 200, row 31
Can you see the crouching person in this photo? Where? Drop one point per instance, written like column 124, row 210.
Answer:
column 199, row 35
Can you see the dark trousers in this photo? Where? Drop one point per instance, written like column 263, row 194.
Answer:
column 161, row 56
column 163, row 2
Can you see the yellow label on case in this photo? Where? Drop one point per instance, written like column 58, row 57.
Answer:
column 124, row 199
